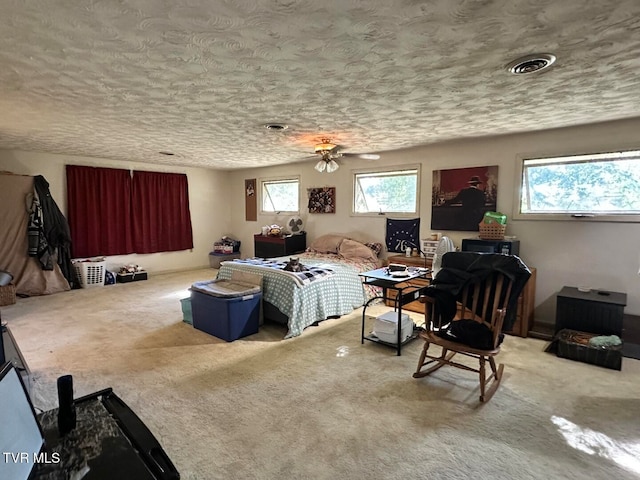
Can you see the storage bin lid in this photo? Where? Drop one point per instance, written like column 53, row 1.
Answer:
column 225, row 288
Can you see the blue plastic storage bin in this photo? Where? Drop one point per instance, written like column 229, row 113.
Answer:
column 228, row 318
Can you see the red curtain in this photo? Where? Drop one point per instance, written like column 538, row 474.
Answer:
column 161, row 216
column 99, row 211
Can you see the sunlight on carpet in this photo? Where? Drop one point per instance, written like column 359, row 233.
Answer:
column 586, row 440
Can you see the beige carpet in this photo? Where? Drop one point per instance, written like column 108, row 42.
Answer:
column 323, row 406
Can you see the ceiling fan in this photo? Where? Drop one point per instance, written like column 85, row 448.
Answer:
column 329, row 152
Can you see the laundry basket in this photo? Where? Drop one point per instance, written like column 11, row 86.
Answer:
column 90, row 272
column 7, row 295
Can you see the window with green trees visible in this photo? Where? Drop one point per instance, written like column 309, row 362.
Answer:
column 281, row 195
column 380, row 191
column 601, row 186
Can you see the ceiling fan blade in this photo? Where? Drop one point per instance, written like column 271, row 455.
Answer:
column 365, row 156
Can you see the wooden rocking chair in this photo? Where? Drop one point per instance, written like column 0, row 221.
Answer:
column 481, row 312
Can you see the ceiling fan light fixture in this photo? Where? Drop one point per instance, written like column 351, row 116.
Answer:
column 332, row 166
column 321, row 166
column 325, row 146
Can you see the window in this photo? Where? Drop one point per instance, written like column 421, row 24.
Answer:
column 386, row 191
column 601, row 186
column 280, row 195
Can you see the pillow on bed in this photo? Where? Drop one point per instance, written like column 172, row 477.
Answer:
column 375, row 247
column 354, row 250
column 326, row 244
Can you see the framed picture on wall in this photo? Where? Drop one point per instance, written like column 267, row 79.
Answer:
column 250, row 200
column 461, row 196
column 322, row 200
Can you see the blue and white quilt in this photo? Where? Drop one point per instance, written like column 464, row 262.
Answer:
column 334, row 294
column 313, row 272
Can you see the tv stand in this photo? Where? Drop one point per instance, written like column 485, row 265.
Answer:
column 109, row 441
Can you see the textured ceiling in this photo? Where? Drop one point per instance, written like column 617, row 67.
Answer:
column 200, row 78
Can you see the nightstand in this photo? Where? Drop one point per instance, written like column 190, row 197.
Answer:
column 266, row 246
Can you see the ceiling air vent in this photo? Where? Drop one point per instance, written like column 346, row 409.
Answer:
column 531, row 63
column 278, row 127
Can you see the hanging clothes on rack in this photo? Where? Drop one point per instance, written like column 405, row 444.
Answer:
column 56, row 230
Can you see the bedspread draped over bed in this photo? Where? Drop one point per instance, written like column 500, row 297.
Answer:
column 333, row 295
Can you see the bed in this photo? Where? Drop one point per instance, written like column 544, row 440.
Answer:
column 299, row 305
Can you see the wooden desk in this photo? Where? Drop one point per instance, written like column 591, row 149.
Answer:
column 420, row 282
column 400, row 293
column 524, row 315
column 526, row 308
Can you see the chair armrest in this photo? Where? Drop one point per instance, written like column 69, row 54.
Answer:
column 428, row 309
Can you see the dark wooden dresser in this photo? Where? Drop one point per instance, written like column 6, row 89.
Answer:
column 266, row 246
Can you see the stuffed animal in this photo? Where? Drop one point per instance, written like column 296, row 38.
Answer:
column 275, row 230
column 131, row 268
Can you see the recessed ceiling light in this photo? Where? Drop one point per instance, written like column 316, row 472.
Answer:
column 278, row 127
column 531, row 63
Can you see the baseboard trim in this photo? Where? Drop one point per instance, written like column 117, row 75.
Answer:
column 631, row 350
column 540, row 335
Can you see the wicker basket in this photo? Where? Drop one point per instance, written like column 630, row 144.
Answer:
column 491, row 231
column 7, row 295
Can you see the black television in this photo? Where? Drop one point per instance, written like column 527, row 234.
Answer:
column 507, row 247
column 21, row 437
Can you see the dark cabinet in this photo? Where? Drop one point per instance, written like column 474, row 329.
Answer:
column 266, row 246
column 592, row 311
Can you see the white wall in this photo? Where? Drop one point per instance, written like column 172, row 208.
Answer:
column 208, row 192
column 601, row 255
column 571, row 252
